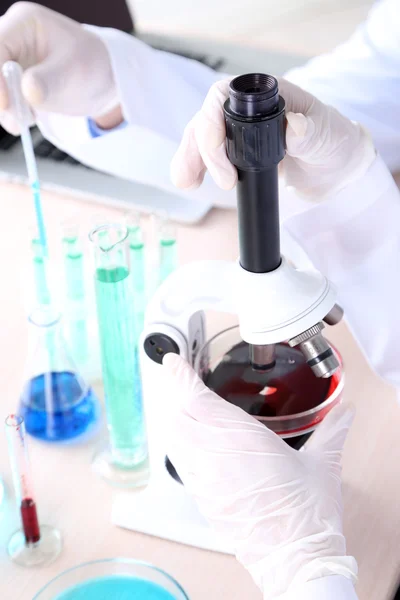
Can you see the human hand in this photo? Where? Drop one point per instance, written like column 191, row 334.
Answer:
column 325, row 151
column 67, row 68
column 280, row 509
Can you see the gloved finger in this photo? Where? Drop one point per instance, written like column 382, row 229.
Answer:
column 204, row 406
column 210, row 135
column 299, row 131
column 330, row 435
column 296, row 99
column 187, row 166
column 10, row 123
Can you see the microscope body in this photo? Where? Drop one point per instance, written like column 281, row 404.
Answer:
column 274, row 301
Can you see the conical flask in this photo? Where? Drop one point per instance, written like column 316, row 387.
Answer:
column 56, row 404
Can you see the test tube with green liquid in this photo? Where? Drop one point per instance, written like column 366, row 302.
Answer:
column 75, row 291
column 167, row 247
column 123, row 460
column 42, row 293
column 138, row 268
column 42, row 296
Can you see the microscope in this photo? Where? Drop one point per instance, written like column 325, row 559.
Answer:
column 275, row 301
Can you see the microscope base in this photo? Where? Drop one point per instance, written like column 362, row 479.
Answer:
column 165, row 510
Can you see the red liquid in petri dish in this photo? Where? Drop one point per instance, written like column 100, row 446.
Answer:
column 289, row 388
column 30, row 523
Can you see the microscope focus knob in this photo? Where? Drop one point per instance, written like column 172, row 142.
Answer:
column 157, row 345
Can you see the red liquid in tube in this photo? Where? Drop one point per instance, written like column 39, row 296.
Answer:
column 30, row 523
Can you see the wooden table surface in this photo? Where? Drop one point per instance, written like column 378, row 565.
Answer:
column 72, row 498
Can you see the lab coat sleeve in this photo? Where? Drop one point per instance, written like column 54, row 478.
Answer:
column 159, row 93
column 354, row 239
column 361, row 78
column 335, row 587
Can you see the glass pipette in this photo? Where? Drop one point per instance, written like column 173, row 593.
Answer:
column 12, row 73
column 31, row 545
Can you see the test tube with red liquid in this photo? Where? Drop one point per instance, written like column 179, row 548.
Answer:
column 32, row 545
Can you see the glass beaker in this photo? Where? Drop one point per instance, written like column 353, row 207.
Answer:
column 123, row 460
column 56, row 404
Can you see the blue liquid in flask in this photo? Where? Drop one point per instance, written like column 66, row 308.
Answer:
column 116, row 588
column 56, row 408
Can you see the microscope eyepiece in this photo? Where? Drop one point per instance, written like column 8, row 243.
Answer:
column 254, row 94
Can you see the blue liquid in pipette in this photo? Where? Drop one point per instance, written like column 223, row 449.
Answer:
column 116, row 588
column 39, row 216
column 55, row 408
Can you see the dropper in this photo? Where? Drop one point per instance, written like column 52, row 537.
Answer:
column 12, row 73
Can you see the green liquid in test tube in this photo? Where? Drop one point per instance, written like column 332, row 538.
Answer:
column 75, row 292
column 167, row 248
column 120, row 365
column 42, row 293
column 138, row 269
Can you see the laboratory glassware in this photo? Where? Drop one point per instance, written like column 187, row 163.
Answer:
column 56, row 403
column 123, row 460
column 75, row 292
column 33, row 544
column 12, row 73
column 167, row 245
column 287, row 398
column 113, row 578
column 40, row 272
column 138, row 268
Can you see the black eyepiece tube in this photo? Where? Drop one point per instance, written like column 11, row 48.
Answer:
column 255, row 128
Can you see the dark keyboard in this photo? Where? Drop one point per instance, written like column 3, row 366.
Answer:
column 209, row 61
column 45, row 149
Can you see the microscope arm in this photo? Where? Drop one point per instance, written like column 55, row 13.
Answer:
column 175, row 315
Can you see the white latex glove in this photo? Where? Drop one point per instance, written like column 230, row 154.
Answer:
column 279, row 508
column 325, row 151
column 67, row 69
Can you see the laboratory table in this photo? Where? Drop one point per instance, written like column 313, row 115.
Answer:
column 72, row 498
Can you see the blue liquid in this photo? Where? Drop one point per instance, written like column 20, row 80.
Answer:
column 56, row 408
column 116, row 588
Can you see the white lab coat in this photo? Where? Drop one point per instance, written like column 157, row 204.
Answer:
column 352, row 237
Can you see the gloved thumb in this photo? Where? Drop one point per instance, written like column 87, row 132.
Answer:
column 197, row 400
column 331, row 434
column 34, row 86
column 299, row 131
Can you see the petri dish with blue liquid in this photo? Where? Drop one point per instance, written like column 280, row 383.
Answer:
column 113, row 579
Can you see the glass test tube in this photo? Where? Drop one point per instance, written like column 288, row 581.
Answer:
column 138, row 268
column 32, row 545
column 42, row 293
column 123, row 461
column 75, row 291
column 167, row 247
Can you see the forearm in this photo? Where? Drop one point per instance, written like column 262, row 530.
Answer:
column 158, row 91
column 354, row 239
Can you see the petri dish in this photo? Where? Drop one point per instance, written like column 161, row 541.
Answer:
column 291, row 402
column 114, row 579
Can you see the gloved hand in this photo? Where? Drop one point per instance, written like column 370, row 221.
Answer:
column 279, row 508
column 67, row 68
column 325, row 151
